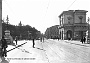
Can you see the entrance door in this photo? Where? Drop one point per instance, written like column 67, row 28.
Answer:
column 69, row 34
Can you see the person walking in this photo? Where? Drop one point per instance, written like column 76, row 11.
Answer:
column 16, row 40
column 84, row 40
column 4, row 46
column 41, row 39
column 33, row 42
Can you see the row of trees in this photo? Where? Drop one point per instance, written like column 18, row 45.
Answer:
column 21, row 31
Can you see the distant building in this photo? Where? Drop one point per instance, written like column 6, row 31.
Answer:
column 52, row 32
column 73, row 24
column 47, row 33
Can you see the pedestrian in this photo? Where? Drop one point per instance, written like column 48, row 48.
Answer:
column 16, row 40
column 33, row 42
column 84, row 39
column 41, row 39
column 4, row 46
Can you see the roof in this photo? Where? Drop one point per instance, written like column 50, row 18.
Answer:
column 72, row 11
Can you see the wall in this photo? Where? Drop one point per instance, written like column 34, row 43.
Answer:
column 77, row 15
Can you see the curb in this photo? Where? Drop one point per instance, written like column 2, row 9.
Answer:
column 77, row 44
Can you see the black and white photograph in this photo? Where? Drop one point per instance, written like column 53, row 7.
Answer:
column 44, row 31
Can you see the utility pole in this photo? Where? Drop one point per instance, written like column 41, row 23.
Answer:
column 0, row 25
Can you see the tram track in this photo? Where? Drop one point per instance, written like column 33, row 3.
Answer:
column 71, row 50
column 57, row 54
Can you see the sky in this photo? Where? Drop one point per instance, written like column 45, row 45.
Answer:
column 40, row 14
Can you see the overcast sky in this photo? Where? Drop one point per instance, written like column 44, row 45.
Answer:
column 40, row 13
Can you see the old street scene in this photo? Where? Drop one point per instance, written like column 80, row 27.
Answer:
column 44, row 31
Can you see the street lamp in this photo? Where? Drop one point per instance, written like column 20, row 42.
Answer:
column 7, row 22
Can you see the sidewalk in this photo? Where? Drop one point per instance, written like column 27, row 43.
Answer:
column 27, row 53
column 77, row 43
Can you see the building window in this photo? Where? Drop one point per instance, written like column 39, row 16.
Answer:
column 80, row 17
column 69, row 18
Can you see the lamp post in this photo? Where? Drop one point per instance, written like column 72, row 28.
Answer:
column 7, row 22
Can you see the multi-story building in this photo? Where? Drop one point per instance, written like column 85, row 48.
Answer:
column 73, row 24
column 52, row 32
column 47, row 33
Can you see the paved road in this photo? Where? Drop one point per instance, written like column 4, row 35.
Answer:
column 49, row 52
column 70, row 53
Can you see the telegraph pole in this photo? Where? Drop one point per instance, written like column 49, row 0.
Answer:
column 0, row 25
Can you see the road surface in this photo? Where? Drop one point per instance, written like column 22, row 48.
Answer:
column 51, row 51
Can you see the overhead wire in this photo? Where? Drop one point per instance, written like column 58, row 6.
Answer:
column 71, row 4
column 10, row 9
column 47, row 7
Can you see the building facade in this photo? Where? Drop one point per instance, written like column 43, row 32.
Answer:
column 52, row 32
column 73, row 24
